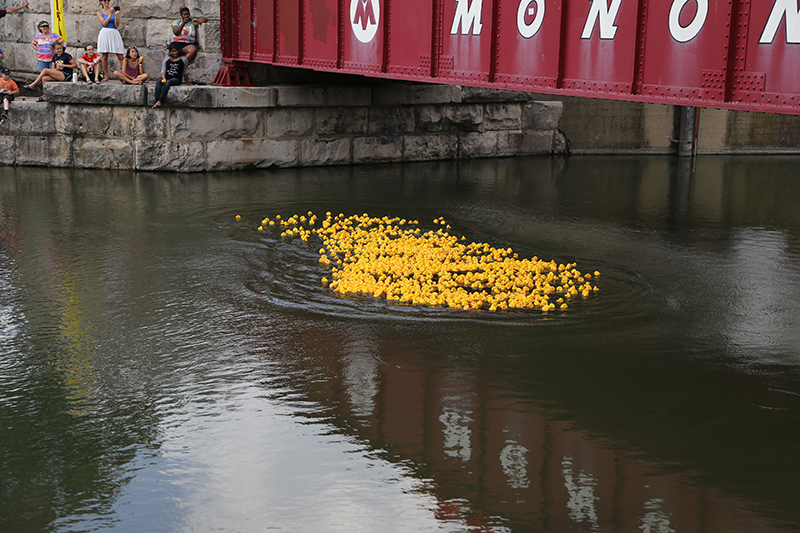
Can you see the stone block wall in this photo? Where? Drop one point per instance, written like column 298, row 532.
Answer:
column 596, row 126
column 220, row 128
column 146, row 24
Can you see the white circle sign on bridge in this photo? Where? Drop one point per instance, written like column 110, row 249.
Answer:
column 530, row 9
column 364, row 17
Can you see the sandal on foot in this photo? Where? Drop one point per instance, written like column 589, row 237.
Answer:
column 41, row 99
column 27, row 87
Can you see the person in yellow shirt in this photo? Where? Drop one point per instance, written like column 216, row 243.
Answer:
column 8, row 90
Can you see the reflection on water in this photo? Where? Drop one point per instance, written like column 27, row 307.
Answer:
column 166, row 368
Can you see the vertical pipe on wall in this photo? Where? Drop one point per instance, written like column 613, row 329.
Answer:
column 687, row 138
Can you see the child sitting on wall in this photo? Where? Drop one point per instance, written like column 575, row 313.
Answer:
column 172, row 70
column 89, row 63
column 61, row 66
column 8, row 90
column 132, row 71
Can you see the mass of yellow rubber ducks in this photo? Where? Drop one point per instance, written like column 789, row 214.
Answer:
column 393, row 259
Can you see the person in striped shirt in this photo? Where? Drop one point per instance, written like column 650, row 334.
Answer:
column 43, row 44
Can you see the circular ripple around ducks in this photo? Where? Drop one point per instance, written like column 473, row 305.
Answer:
column 366, row 266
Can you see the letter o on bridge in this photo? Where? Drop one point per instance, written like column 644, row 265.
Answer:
column 684, row 34
column 529, row 30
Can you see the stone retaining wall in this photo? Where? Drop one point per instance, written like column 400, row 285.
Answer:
column 218, row 128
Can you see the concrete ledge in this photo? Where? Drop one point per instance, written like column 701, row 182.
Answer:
column 417, row 94
column 209, row 96
column 203, row 128
column 107, row 93
column 213, row 97
column 482, row 94
column 312, row 96
column 196, row 96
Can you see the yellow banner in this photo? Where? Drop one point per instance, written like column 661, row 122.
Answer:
column 59, row 23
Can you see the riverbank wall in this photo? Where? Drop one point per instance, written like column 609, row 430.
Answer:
column 594, row 126
column 208, row 128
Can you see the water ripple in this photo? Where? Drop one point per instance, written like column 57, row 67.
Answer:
column 288, row 276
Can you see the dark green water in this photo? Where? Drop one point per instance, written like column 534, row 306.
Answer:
column 164, row 367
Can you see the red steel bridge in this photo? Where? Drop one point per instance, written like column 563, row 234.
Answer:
column 734, row 54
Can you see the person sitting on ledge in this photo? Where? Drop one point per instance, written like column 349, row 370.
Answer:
column 132, row 68
column 185, row 33
column 60, row 69
column 4, row 12
column 90, row 65
column 172, row 69
column 8, row 90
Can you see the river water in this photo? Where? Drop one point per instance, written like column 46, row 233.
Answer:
column 166, row 367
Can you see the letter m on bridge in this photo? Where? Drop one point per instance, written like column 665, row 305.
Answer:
column 364, row 14
column 783, row 10
column 468, row 15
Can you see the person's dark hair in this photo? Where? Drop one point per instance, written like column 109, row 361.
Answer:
column 184, row 10
column 128, row 53
column 173, row 46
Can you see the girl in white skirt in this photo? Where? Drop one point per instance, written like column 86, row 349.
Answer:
column 109, row 41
